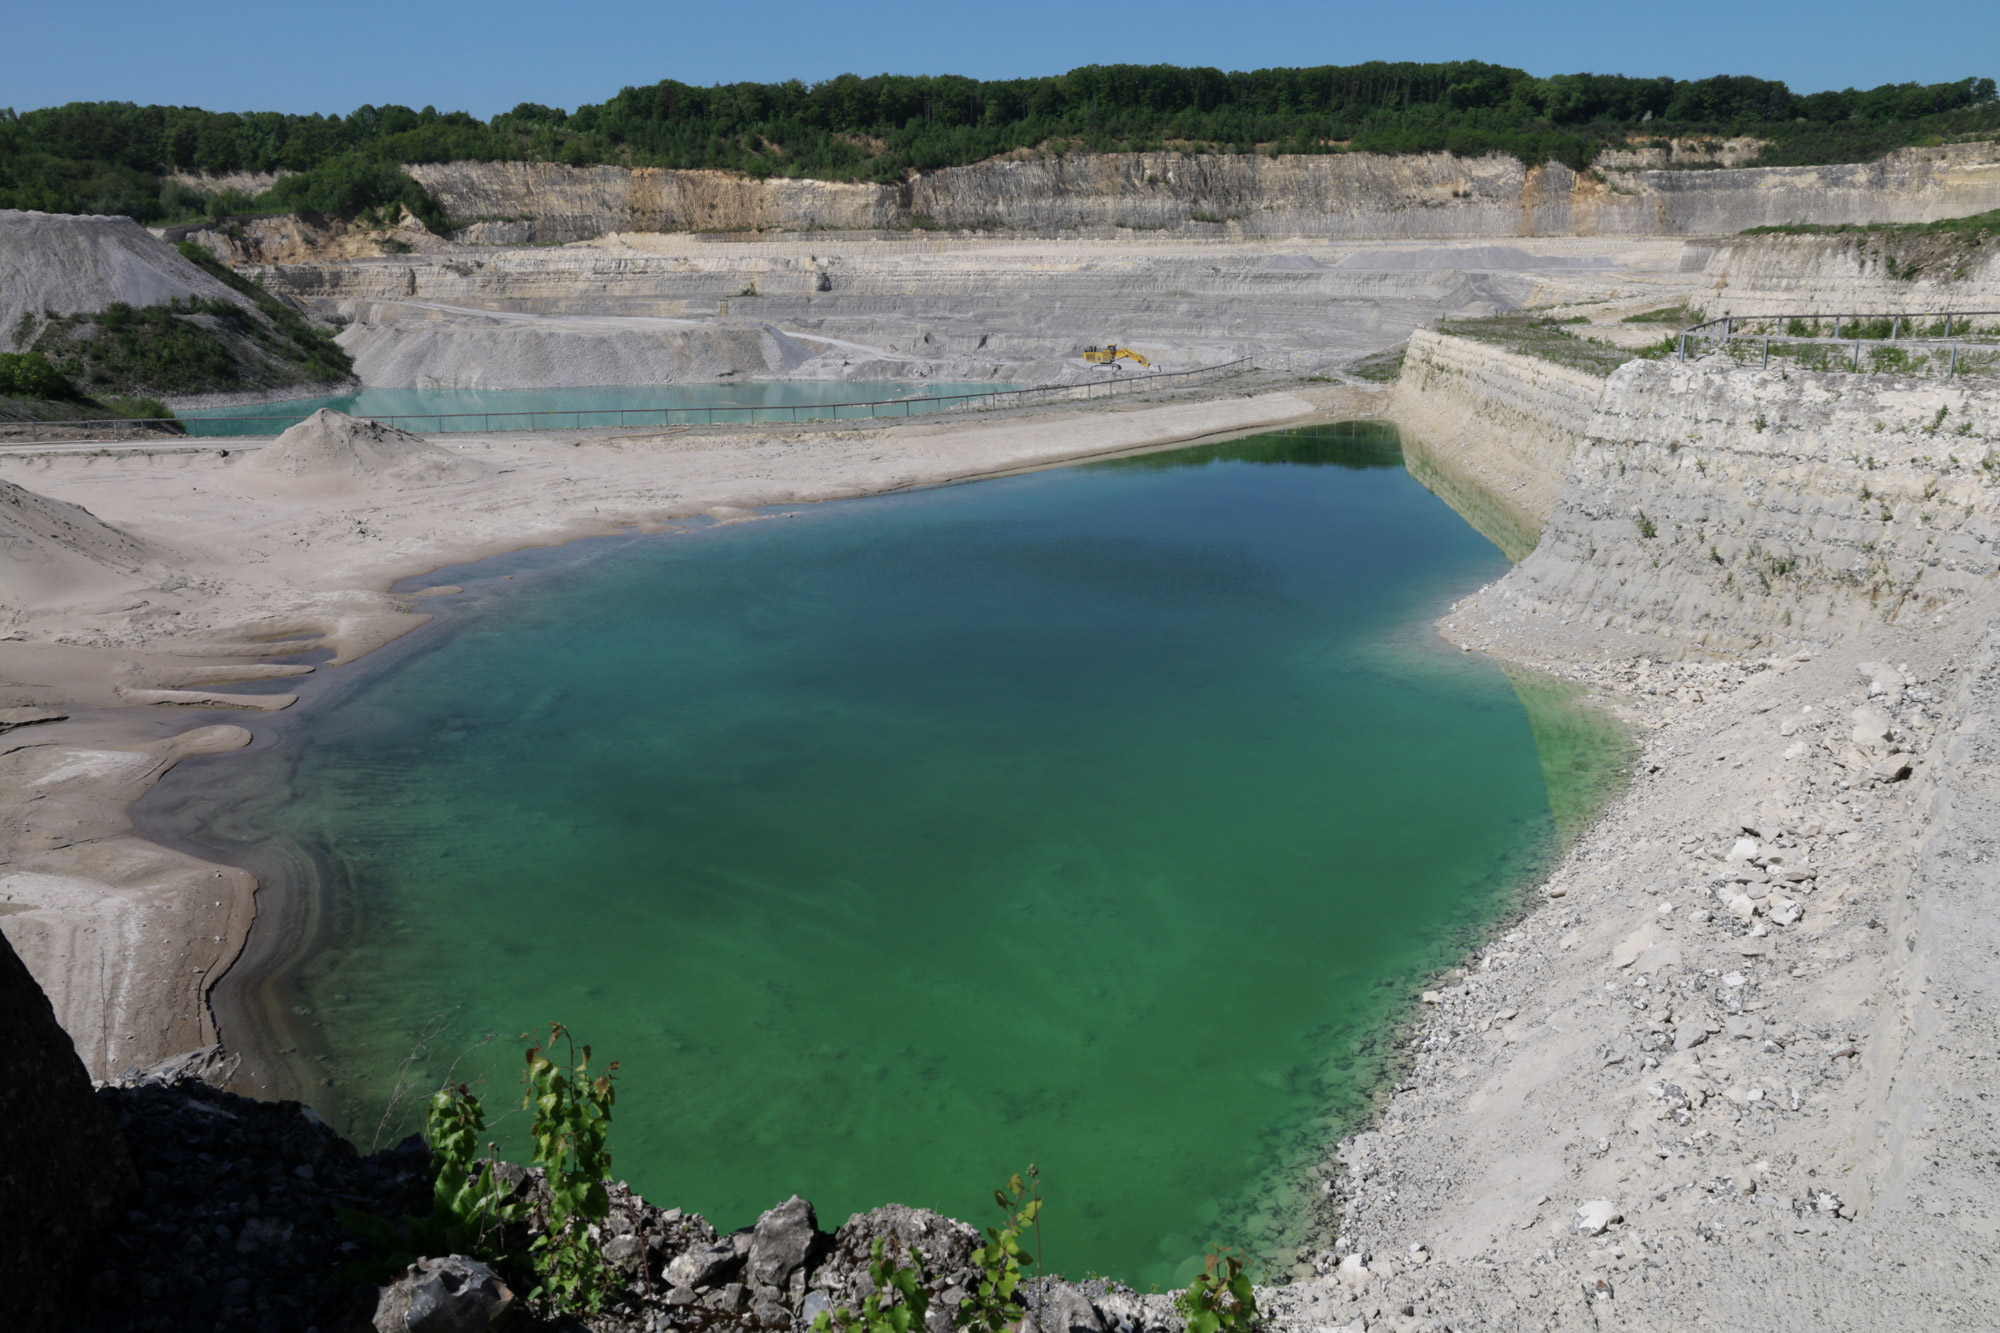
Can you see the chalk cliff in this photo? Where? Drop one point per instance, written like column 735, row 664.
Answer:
column 1739, row 509
column 1853, row 272
column 1491, row 431
column 1432, row 195
column 1706, row 508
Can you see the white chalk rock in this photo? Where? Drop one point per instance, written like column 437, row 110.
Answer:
column 1628, row 950
column 1873, row 727
column 1593, row 1217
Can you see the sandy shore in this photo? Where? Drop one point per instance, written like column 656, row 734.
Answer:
column 1737, row 1065
column 196, row 565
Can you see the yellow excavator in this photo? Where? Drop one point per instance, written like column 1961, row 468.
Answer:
column 1104, row 356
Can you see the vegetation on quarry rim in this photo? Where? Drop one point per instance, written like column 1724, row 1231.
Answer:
column 1530, row 333
column 1977, row 226
column 116, row 157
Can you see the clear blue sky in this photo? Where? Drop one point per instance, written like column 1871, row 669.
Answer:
column 334, row 55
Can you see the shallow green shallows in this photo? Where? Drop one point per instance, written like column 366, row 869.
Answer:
column 1100, row 818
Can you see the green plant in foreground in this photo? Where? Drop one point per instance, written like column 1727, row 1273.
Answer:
column 1220, row 1299
column 468, row 1206
column 995, row 1302
column 467, row 1203
column 572, row 1118
column 877, row 1314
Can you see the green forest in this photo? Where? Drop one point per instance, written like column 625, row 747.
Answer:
column 115, row 157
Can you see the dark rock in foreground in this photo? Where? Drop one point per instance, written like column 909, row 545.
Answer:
column 64, row 1169
column 233, row 1228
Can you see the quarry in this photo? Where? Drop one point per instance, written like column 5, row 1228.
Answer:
column 1728, row 1060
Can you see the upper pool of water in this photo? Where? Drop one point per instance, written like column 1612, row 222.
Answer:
column 433, row 410
column 1100, row 818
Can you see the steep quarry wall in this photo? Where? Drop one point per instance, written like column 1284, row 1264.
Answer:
column 1492, row 432
column 1426, row 196
column 561, row 203
column 1850, row 273
column 1731, row 510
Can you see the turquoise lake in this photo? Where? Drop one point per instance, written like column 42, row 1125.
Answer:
column 433, row 410
column 1102, row 818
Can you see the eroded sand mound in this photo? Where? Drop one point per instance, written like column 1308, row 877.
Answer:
column 56, row 554
column 67, row 264
column 330, row 452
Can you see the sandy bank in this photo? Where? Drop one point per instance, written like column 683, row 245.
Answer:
column 196, row 565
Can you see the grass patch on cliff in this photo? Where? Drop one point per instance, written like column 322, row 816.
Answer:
column 1529, row 334
column 1381, row 367
column 1677, row 315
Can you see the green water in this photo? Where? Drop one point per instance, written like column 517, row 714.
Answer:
column 1100, row 818
column 576, row 409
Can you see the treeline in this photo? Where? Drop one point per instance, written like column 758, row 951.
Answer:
column 114, row 157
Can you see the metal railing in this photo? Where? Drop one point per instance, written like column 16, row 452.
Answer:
column 1951, row 341
column 169, row 429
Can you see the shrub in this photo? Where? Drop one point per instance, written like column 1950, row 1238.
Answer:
column 1220, row 1299
column 352, row 184
column 995, row 1302
column 572, row 1117
column 469, row 1209
column 905, row 1286
column 29, row 375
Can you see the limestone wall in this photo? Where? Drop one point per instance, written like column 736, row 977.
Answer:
column 1492, row 432
column 1738, row 509
column 1851, row 273
column 1363, row 195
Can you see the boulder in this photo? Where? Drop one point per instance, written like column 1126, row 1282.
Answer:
column 1884, row 680
column 1058, row 1307
column 1632, row 946
column 1593, row 1217
column 1873, row 727
column 450, row 1295
column 1894, row 768
column 781, row 1243
column 1658, row 958
column 710, row 1264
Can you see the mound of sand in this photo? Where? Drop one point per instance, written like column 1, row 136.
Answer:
column 71, row 265
column 56, row 554
column 330, row 453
